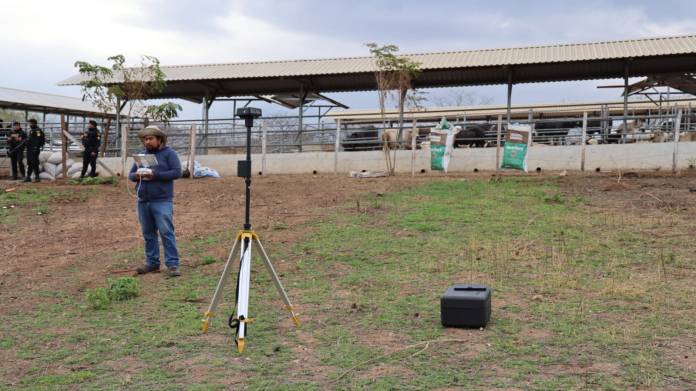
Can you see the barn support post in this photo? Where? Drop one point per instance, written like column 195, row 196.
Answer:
column 264, row 141
column 625, row 105
column 675, row 154
column 497, row 145
column 191, row 161
column 124, row 149
column 337, row 145
column 509, row 96
column 118, row 117
column 63, row 146
column 207, row 102
column 530, row 121
column 583, row 141
column 300, row 127
column 414, row 135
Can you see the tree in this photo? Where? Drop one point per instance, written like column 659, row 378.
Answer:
column 106, row 86
column 394, row 74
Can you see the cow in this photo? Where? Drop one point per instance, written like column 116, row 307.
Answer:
column 366, row 139
column 473, row 136
column 389, row 137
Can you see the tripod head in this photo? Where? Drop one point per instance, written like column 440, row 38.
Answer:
column 248, row 114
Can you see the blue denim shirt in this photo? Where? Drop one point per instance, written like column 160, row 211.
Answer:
column 161, row 186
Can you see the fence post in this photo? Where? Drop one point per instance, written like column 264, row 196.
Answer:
column 264, row 135
column 337, row 145
column 191, row 163
column 497, row 146
column 63, row 146
column 675, row 155
column 124, row 149
column 583, row 141
column 414, row 135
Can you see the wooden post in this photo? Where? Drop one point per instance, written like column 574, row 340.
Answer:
column 583, row 141
column 414, row 135
column 263, row 147
column 337, row 145
column 105, row 138
column 63, row 145
column 124, row 149
column 675, row 154
column 497, row 146
column 190, row 163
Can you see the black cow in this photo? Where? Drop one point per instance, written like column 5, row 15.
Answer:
column 473, row 136
column 366, row 139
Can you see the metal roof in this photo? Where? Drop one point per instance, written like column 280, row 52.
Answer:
column 11, row 98
column 579, row 61
column 551, row 110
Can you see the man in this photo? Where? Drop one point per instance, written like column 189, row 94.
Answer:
column 91, row 140
column 15, row 143
column 155, row 192
column 35, row 143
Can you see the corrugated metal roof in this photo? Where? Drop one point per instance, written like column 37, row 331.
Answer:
column 36, row 101
column 445, row 60
column 519, row 111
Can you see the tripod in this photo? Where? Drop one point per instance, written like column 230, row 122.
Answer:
column 244, row 239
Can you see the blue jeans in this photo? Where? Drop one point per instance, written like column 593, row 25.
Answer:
column 154, row 217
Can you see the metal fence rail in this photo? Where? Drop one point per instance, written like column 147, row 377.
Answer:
column 284, row 135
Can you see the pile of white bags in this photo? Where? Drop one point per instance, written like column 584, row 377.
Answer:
column 51, row 166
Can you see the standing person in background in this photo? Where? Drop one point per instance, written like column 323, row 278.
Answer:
column 16, row 141
column 91, row 140
column 35, row 143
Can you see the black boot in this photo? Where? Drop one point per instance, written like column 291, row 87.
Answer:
column 27, row 179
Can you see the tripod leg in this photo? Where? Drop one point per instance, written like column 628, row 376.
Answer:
column 278, row 284
column 243, row 292
column 218, row 291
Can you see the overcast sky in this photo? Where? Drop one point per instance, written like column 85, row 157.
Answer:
column 41, row 40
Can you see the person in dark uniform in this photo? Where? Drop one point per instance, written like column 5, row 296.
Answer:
column 91, row 140
column 16, row 141
column 35, row 143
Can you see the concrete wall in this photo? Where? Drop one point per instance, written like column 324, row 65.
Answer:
column 607, row 157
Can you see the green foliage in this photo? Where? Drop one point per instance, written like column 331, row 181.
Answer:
column 164, row 112
column 104, row 86
column 98, row 298
column 395, row 73
column 123, row 288
column 208, row 259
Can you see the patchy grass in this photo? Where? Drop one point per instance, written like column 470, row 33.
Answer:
column 581, row 300
column 11, row 203
column 95, row 181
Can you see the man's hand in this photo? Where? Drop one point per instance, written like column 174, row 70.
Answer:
column 94, row 154
column 148, row 177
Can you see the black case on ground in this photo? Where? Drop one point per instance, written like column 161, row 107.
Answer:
column 466, row 305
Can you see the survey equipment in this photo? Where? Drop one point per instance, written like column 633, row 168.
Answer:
column 240, row 319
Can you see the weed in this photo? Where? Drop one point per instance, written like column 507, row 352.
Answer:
column 124, row 288
column 98, row 298
column 208, row 259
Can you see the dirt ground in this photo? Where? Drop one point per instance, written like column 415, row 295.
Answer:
column 80, row 229
column 71, row 246
column 67, row 245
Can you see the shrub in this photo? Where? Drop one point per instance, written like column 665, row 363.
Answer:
column 124, row 288
column 98, row 298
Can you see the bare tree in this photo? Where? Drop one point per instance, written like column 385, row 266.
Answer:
column 461, row 97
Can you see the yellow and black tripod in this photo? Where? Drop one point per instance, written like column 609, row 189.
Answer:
column 245, row 239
